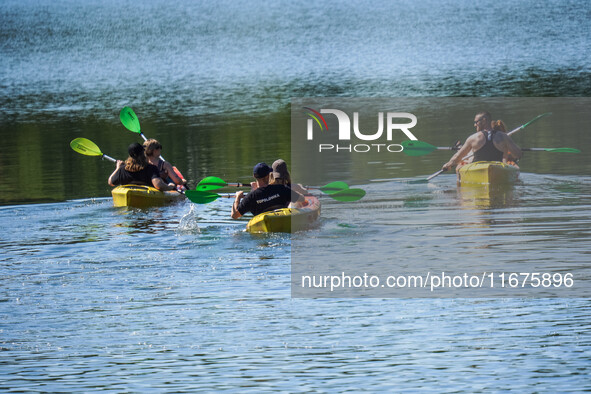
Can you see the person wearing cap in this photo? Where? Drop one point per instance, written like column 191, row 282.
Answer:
column 280, row 176
column 265, row 197
column 137, row 171
column 167, row 172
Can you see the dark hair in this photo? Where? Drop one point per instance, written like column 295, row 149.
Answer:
column 485, row 115
column 137, row 160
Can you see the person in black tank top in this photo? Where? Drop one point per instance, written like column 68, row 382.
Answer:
column 487, row 144
column 165, row 169
column 489, row 151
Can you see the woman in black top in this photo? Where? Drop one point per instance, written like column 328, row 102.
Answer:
column 137, row 171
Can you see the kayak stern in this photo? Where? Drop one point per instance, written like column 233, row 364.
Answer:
column 488, row 173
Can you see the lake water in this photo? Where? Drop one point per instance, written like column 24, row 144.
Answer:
column 180, row 298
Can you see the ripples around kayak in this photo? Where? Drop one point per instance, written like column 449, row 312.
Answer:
column 180, row 298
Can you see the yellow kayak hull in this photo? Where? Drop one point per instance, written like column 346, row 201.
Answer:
column 139, row 196
column 488, row 173
column 286, row 220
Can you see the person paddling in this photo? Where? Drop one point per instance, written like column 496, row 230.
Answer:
column 137, row 171
column 489, row 143
column 280, row 176
column 265, row 197
column 153, row 149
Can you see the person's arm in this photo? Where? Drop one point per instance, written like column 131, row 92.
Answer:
column 113, row 176
column 159, row 184
column 455, row 159
column 294, row 196
column 235, row 213
column 300, row 189
column 509, row 148
column 172, row 174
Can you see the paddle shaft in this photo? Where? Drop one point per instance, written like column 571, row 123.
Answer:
column 213, row 183
column 560, row 150
column 109, row 158
column 204, row 197
column 435, row 174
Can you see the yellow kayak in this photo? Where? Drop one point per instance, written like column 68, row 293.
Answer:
column 286, row 220
column 488, row 173
column 140, row 196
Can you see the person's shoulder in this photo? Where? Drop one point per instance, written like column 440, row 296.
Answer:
column 474, row 138
column 279, row 187
column 501, row 136
column 475, row 135
column 253, row 194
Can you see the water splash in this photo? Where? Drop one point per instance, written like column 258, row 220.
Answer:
column 189, row 222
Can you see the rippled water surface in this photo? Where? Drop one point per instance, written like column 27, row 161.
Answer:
column 180, row 298
column 176, row 298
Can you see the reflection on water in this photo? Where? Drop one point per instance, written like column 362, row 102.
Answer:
column 486, row 196
column 419, row 229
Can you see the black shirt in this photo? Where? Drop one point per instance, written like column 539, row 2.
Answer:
column 267, row 198
column 141, row 177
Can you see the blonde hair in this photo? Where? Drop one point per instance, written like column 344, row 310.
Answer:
column 151, row 145
column 279, row 181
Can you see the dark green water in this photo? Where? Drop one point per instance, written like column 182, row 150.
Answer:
column 41, row 166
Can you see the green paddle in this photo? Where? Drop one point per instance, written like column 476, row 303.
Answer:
column 205, row 197
column 88, row 148
column 348, row 195
column 523, row 126
column 214, row 183
column 554, row 150
column 528, row 123
column 331, row 188
column 420, row 148
column 132, row 123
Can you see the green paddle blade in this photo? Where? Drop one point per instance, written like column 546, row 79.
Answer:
column 85, row 147
column 201, row 197
column 129, row 120
column 536, row 118
column 348, row 195
column 416, row 148
column 563, row 150
column 333, row 187
column 211, row 183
